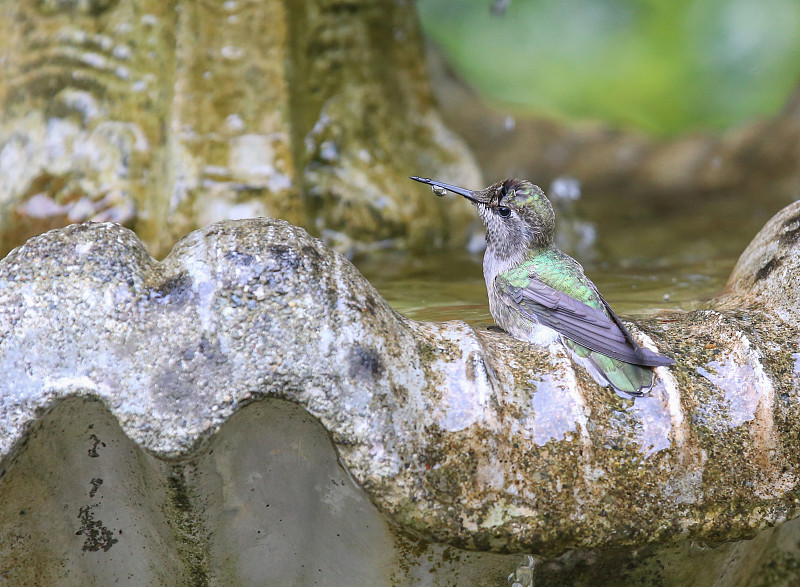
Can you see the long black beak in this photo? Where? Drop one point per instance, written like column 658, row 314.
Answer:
column 468, row 194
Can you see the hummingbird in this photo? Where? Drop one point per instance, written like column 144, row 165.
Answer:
column 530, row 281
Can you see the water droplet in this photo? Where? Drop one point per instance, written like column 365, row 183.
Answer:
column 441, row 192
column 565, row 188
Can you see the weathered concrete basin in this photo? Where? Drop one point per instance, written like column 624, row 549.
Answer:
column 146, row 436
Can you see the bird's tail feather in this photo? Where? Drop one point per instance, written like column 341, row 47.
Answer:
column 625, row 377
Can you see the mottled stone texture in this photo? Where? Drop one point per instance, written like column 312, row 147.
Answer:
column 462, row 437
column 167, row 116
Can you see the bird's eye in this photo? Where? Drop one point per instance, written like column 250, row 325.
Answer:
column 503, row 211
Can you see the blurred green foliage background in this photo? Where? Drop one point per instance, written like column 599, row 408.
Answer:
column 663, row 66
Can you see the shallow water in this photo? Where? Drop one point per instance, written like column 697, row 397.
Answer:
column 646, row 255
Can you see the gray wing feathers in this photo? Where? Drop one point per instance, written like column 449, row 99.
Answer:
column 579, row 322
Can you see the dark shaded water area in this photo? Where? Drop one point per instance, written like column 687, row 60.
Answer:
column 644, row 254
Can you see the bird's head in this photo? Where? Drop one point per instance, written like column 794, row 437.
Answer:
column 516, row 213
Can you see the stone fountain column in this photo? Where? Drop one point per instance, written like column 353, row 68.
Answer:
column 166, row 117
